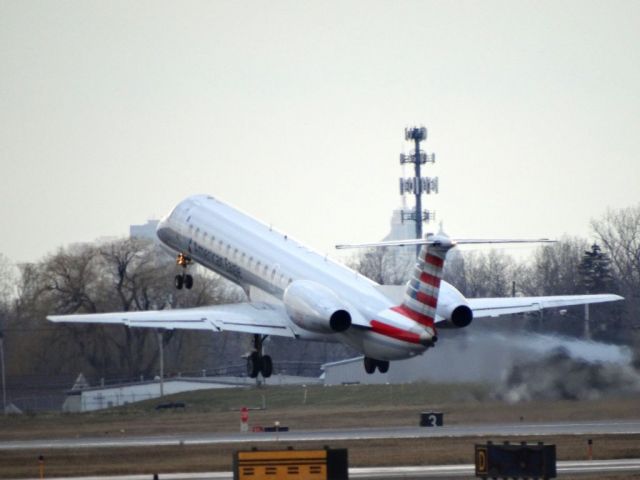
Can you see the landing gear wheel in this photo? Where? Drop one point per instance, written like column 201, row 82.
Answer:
column 188, row 282
column 179, row 281
column 257, row 362
column 267, row 366
column 369, row 365
column 253, row 365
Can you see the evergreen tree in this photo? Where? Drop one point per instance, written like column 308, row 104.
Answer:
column 595, row 271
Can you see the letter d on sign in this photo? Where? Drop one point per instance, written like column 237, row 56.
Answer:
column 481, row 460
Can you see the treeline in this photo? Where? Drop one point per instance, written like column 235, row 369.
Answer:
column 124, row 275
column 130, row 275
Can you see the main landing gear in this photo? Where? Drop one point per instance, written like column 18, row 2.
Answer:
column 257, row 362
column 370, row 365
column 183, row 279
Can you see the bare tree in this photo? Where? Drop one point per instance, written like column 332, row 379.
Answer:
column 384, row 265
column 555, row 269
column 8, row 282
column 70, row 280
column 618, row 231
column 125, row 275
column 481, row 274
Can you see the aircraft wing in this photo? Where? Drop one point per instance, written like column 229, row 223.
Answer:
column 494, row 307
column 254, row 317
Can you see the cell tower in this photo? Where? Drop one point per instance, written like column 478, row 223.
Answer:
column 417, row 185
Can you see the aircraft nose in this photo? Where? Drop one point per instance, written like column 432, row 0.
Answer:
column 162, row 228
column 162, row 222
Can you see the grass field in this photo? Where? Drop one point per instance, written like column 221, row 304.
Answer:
column 312, row 407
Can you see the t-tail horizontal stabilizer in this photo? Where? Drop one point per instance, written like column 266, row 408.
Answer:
column 437, row 240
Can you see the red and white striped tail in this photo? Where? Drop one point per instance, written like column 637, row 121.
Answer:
column 421, row 296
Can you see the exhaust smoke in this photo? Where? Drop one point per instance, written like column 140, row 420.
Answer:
column 562, row 374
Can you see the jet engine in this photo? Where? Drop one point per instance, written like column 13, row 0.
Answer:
column 316, row 308
column 456, row 316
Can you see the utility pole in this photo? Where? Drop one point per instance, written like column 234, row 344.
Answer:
column 587, row 328
column 418, row 184
column 160, row 336
column 4, row 386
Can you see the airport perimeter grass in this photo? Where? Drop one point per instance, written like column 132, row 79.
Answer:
column 312, row 407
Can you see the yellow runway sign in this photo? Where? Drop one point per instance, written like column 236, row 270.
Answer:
column 291, row 465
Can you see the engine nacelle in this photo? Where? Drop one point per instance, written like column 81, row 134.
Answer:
column 456, row 316
column 316, row 308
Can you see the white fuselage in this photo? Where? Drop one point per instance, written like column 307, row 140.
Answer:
column 251, row 254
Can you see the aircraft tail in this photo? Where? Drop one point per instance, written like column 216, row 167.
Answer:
column 420, row 299
column 421, row 295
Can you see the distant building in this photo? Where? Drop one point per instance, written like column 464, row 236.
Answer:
column 402, row 258
column 148, row 230
column 97, row 398
column 82, row 398
column 401, row 230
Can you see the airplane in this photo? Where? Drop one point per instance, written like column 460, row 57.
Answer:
column 297, row 293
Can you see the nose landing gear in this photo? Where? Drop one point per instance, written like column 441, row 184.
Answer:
column 184, row 279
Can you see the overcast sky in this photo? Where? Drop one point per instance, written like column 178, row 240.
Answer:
column 112, row 112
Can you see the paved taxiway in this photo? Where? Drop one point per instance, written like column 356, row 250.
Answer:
column 408, row 473
column 484, row 430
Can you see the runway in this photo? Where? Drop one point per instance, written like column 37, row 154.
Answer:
column 407, row 473
column 480, row 430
